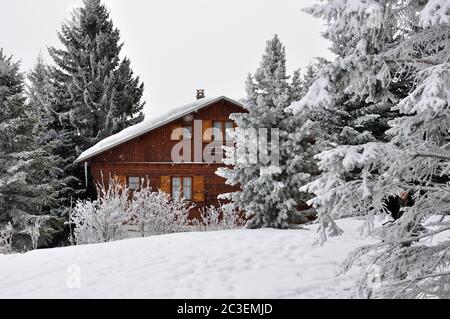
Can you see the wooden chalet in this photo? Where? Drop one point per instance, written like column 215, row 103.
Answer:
column 144, row 151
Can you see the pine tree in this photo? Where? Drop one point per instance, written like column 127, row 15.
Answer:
column 93, row 93
column 269, row 191
column 22, row 192
column 53, row 132
column 45, row 136
column 392, row 57
column 297, row 87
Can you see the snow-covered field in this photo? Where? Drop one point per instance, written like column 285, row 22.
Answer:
column 226, row 264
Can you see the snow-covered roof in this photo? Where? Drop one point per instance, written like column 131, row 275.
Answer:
column 148, row 125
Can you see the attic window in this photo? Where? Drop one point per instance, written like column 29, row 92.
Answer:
column 187, row 132
column 229, row 129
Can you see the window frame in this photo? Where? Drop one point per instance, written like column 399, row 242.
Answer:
column 224, row 126
column 220, row 128
column 182, row 186
column 190, row 129
column 228, row 139
column 190, row 187
column 134, row 183
column 172, row 188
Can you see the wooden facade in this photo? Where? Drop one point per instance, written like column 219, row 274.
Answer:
column 148, row 157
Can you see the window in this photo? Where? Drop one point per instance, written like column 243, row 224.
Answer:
column 225, row 128
column 187, row 188
column 134, row 183
column 182, row 186
column 229, row 129
column 218, row 132
column 187, row 132
column 176, row 187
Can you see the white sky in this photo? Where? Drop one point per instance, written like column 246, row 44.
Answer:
column 177, row 46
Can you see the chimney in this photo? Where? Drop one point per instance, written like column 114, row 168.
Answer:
column 200, row 94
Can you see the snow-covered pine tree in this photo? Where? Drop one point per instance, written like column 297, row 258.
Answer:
column 269, row 191
column 105, row 97
column 311, row 74
column 95, row 93
column 45, row 135
column 297, row 87
column 45, row 170
column 22, row 193
column 352, row 115
column 63, row 137
column 397, row 53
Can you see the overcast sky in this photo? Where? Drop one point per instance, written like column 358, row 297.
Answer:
column 177, row 46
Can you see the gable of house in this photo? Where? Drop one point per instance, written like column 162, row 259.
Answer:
column 160, row 129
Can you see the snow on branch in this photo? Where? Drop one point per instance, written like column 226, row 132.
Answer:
column 433, row 155
column 432, row 95
column 435, row 12
column 318, row 95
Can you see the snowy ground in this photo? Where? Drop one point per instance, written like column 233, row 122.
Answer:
column 227, row 264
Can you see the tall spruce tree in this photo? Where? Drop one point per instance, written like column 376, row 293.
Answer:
column 269, row 191
column 348, row 101
column 93, row 91
column 46, row 137
column 393, row 57
column 22, row 192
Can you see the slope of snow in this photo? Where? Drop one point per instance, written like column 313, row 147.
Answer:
column 263, row 263
column 147, row 125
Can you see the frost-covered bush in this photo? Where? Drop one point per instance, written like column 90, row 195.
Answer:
column 156, row 213
column 104, row 219
column 6, row 239
column 219, row 218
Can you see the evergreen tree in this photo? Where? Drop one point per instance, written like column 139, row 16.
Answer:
column 22, row 192
column 297, row 87
column 46, row 138
column 93, row 93
column 392, row 58
column 348, row 102
column 269, row 191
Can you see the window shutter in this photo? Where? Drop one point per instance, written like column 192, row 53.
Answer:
column 207, row 125
column 198, row 189
column 122, row 180
column 176, row 137
column 165, row 184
